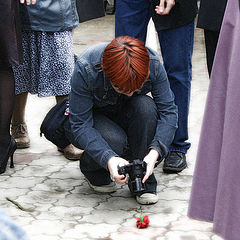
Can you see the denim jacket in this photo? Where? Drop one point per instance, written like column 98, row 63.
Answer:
column 49, row 15
column 91, row 89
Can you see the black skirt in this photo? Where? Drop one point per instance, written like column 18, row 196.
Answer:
column 10, row 38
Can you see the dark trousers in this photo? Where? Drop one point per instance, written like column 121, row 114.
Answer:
column 211, row 40
column 128, row 129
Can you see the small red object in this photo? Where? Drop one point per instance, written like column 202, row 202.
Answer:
column 142, row 222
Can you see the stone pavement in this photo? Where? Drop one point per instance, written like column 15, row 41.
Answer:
column 57, row 200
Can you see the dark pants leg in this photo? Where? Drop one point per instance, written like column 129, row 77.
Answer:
column 114, row 135
column 140, row 122
column 132, row 17
column 211, row 40
column 128, row 130
column 6, row 107
column 177, row 48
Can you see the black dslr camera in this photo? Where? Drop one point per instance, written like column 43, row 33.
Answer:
column 136, row 170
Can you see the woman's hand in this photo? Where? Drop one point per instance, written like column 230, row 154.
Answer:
column 165, row 7
column 150, row 160
column 113, row 164
column 28, row 2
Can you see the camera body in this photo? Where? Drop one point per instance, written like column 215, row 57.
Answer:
column 136, row 171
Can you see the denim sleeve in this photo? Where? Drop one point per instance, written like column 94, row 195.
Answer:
column 167, row 110
column 85, row 136
column 9, row 230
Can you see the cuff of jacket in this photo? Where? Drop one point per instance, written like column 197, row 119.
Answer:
column 161, row 148
column 105, row 158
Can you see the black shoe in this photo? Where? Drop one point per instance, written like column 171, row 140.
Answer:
column 9, row 153
column 175, row 162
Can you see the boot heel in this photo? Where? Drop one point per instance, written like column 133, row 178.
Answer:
column 12, row 163
column 9, row 153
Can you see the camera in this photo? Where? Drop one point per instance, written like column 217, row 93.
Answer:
column 136, row 171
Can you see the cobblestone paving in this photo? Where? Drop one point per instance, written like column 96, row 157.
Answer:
column 59, row 204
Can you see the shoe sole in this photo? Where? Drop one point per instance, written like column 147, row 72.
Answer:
column 22, row 146
column 101, row 189
column 173, row 170
column 146, row 202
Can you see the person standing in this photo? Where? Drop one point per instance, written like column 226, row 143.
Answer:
column 174, row 22
column 48, row 61
column 10, row 55
column 210, row 18
column 215, row 192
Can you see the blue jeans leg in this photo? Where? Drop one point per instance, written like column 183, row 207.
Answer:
column 177, row 48
column 132, row 17
column 129, row 132
column 114, row 136
column 137, row 116
column 140, row 122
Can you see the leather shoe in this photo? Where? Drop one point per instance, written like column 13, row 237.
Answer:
column 175, row 162
column 71, row 152
column 20, row 133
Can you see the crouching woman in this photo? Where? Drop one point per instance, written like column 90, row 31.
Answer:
column 113, row 119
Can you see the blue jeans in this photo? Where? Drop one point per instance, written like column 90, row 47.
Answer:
column 177, row 48
column 129, row 129
column 132, row 17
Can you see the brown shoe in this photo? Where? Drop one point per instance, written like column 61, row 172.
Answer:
column 20, row 133
column 71, row 152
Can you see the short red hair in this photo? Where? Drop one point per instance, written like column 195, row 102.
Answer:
column 125, row 62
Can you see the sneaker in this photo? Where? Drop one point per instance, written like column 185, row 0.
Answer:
column 20, row 133
column 147, row 198
column 175, row 162
column 71, row 152
column 109, row 188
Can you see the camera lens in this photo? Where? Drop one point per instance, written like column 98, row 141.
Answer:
column 138, row 185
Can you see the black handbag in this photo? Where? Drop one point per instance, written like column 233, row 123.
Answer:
column 90, row 9
column 52, row 125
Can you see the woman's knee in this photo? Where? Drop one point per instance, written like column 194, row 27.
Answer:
column 144, row 107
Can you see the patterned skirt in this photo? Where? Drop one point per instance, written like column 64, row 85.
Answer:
column 48, row 64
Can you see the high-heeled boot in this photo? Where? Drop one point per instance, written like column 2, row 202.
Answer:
column 12, row 146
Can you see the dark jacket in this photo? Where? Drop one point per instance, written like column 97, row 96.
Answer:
column 181, row 14
column 211, row 14
column 49, row 15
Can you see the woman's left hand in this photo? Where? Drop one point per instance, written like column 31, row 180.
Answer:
column 150, row 160
column 164, row 7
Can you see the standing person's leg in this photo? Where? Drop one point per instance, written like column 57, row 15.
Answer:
column 7, row 144
column 140, row 121
column 19, row 128
column 97, row 176
column 211, row 40
column 132, row 17
column 177, row 48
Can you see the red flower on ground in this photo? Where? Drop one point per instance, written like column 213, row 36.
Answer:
column 142, row 222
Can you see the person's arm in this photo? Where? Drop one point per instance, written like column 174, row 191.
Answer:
column 85, row 136
column 28, row 2
column 164, row 7
column 167, row 122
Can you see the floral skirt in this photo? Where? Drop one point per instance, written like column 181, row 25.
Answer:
column 48, row 63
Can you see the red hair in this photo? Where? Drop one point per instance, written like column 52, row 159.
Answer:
column 125, row 62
